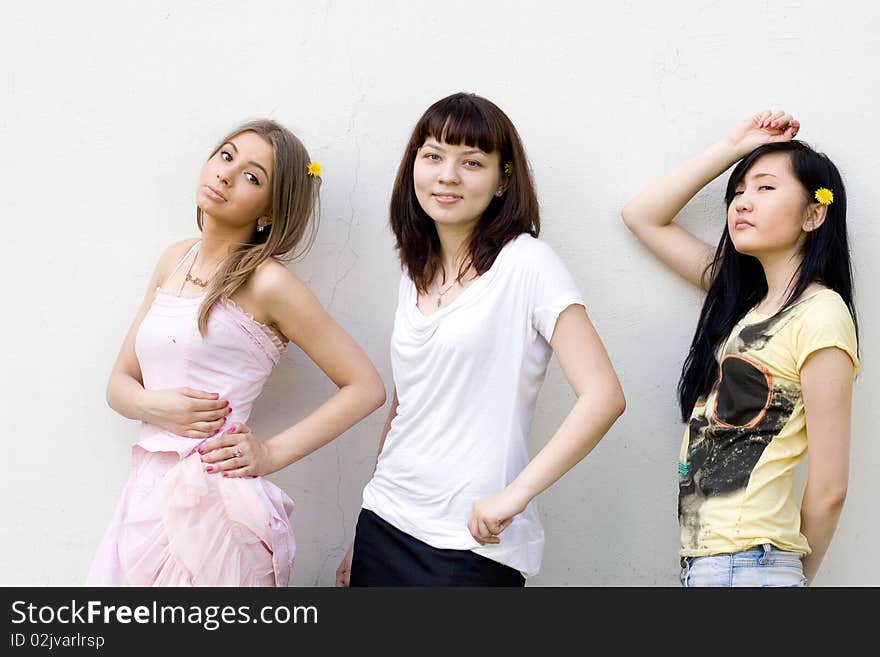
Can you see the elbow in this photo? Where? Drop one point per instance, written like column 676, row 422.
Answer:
column 830, row 497
column 618, row 403
column 836, row 496
column 376, row 393
column 626, row 216
column 108, row 394
column 381, row 398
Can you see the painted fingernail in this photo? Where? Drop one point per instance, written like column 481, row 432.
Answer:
column 227, row 402
column 774, row 124
column 225, row 475
column 232, row 430
column 210, row 468
column 201, row 451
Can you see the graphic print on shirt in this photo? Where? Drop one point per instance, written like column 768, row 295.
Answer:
column 731, row 427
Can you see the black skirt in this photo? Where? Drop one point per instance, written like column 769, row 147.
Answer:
column 386, row 556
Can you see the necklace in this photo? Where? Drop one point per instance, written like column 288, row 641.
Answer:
column 440, row 293
column 195, row 280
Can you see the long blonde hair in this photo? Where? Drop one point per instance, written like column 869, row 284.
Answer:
column 293, row 209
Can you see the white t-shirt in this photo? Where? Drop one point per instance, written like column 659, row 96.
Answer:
column 467, row 377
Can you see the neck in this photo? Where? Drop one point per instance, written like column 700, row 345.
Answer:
column 219, row 240
column 780, row 270
column 453, row 246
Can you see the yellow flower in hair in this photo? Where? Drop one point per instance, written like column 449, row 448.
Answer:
column 824, row 195
column 508, row 168
column 314, row 169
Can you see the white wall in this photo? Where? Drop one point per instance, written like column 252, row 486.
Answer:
column 108, row 109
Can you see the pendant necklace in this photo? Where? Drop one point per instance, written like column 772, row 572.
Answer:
column 440, row 293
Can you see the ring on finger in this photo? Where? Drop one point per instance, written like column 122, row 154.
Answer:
column 237, row 452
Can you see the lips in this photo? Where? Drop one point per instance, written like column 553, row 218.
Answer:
column 446, row 198
column 742, row 224
column 214, row 193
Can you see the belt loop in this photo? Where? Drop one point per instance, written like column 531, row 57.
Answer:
column 765, row 558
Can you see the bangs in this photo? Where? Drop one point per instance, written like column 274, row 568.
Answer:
column 458, row 121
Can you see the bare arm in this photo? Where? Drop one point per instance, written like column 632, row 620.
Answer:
column 650, row 214
column 600, row 402
column 392, row 413
column 292, row 307
column 826, row 384
column 343, row 571
column 184, row 411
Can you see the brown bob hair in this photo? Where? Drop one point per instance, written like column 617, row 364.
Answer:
column 464, row 118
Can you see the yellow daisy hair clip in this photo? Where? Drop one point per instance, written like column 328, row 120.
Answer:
column 314, row 169
column 508, row 168
column 824, row 195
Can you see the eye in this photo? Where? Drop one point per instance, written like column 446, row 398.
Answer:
column 766, row 187
column 738, row 193
column 226, row 155
column 431, row 156
column 472, row 164
column 252, row 178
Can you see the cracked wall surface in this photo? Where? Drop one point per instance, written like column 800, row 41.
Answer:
column 108, row 115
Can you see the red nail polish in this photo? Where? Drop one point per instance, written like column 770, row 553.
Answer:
column 232, row 430
column 210, row 468
column 225, row 475
column 201, row 451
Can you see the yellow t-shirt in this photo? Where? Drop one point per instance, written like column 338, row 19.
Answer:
column 744, row 439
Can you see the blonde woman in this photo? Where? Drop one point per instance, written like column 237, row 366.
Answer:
column 218, row 313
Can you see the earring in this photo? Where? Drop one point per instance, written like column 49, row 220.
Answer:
column 499, row 192
column 260, row 229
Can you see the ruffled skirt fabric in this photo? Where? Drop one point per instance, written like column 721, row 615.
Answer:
column 177, row 525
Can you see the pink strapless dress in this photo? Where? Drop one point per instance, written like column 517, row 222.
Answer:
column 175, row 524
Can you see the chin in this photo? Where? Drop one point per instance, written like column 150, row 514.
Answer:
column 743, row 247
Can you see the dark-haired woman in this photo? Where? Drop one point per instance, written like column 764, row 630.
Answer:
column 482, row 306
column 770, row 369
column 218, row 313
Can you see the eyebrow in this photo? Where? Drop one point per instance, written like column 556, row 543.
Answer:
column 436, row 146
column 757, row 175
column 256, row 164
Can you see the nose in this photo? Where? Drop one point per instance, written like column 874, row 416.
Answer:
column 743, row 202
column 448, row 173
column 223, row 175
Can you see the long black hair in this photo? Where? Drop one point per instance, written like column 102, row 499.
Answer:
column 738, row 282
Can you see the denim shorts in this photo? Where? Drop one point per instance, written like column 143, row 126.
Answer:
column 763, row 565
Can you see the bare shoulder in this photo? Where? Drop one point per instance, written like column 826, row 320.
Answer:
column 272, row 281
column 284, row 300
column 172, row 255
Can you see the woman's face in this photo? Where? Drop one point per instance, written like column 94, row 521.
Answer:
column 454, row 184
column 236, row 182
column 769, row 208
